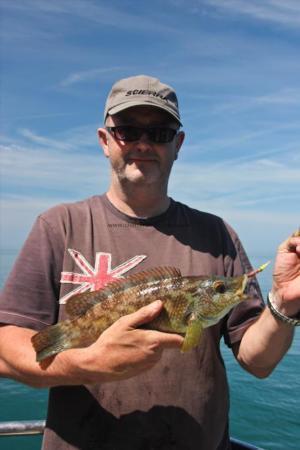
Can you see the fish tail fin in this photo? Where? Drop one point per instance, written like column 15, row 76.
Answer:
column 192, row 336
column 52, row 340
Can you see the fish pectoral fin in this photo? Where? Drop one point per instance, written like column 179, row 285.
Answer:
column 192, row 336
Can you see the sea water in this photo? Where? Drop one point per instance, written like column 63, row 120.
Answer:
column 263, row 412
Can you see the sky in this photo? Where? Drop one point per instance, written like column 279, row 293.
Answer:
column 235, row 66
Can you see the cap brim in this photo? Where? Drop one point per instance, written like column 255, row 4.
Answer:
column 127, row 105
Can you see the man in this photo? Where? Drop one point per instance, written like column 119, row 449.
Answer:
column 133, row 389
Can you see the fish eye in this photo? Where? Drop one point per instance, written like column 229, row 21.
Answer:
column 219, row 287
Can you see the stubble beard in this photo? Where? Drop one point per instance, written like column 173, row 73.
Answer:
column 130, row 177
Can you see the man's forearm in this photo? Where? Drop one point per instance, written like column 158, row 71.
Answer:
column 18, row 361
column 122, row 351
column 264, row 344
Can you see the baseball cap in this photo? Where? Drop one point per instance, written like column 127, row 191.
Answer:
column 141, row 90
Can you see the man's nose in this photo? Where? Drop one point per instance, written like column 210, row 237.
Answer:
column 144, row 142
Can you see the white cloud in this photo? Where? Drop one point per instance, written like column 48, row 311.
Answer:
column 229, row 148
column 43, row 141
column 284, row 97
column 39, row 172
column 64, row 167
column 239, row 182
column 18, row 213
column 87, row 75
column 62, row 164
column 255, row 195
column 277, row 11
column 73, row 139
column 43, row 162
column 282, row 12
column 100, row 13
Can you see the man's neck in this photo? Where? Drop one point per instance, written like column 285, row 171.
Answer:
column 139, row 204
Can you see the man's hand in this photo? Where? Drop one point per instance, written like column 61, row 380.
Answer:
column 121, row 352
column 286, row 276
column 124, row 350
column 267, row 340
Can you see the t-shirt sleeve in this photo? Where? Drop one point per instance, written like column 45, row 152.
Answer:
column 30, row 296
column 245, row 313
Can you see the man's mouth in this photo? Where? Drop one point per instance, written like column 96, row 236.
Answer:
column 138, row 159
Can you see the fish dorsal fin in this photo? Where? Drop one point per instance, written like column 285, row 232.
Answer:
column 154, row 274
column 80, row 303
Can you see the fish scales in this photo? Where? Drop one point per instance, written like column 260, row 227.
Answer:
column 190, row 304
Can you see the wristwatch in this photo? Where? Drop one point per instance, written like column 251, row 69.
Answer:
column 291, row 321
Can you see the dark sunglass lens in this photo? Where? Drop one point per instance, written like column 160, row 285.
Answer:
column 158, row 135
column 162, row 135
column 125, row 133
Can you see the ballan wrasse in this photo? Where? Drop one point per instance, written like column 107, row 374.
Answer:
column 190, row 304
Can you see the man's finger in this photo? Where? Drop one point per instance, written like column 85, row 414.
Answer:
column 290, row 243
column 168, row 340
column 144, row 315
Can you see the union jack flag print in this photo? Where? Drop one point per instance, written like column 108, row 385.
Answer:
column 94, row 278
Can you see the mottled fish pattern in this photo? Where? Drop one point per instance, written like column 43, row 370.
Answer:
column 190, row 304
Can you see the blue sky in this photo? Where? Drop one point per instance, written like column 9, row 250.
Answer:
column 236, row 68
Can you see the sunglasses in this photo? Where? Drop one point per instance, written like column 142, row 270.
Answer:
column 127, row 133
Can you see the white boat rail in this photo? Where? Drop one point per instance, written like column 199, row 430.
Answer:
column 22, row 427
column 31, row 427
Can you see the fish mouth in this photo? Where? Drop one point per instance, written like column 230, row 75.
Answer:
column 240, row 292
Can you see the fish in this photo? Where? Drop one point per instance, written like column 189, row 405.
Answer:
column 190, row 304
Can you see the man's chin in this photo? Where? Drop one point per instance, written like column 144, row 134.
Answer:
column 142, row 177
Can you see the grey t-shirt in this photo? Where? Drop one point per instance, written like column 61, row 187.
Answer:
column 182, row 403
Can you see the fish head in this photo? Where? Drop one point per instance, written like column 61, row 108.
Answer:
column 217, row 295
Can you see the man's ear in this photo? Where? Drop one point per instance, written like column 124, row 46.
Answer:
column 179, row 141
column 103, row 140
